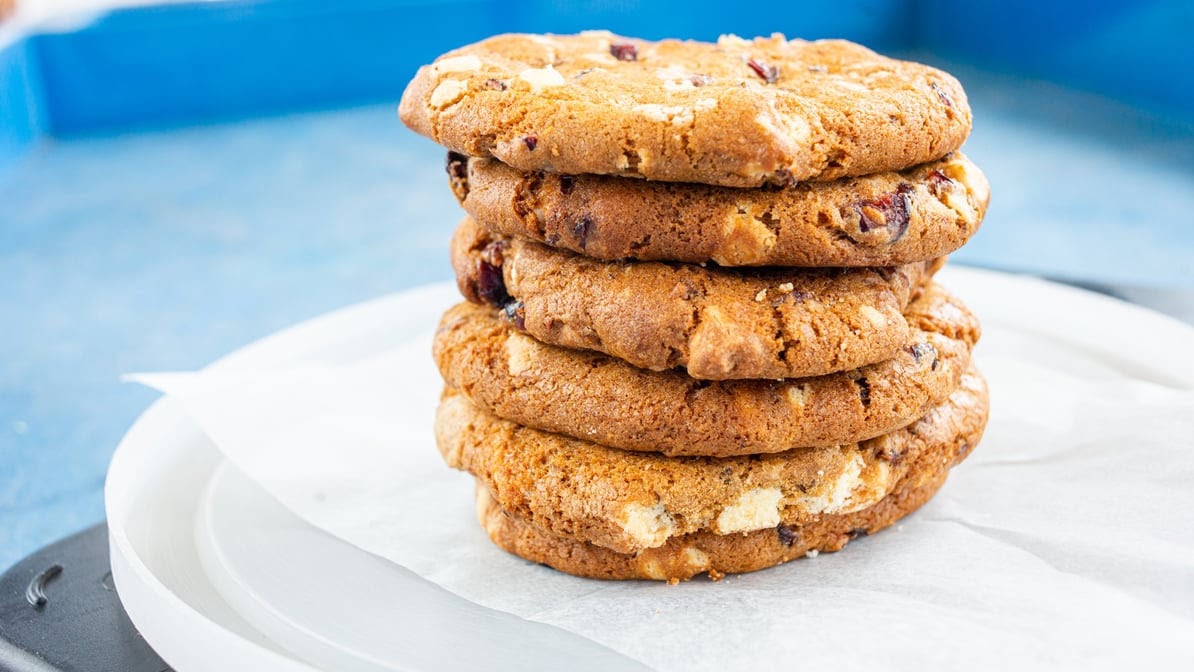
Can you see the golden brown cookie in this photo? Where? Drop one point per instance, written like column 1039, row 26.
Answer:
column 600, row 398
column 628, row 502
column 717, row 324
column 739, row 113
column 877, row 220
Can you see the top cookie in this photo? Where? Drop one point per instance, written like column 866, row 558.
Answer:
column 738, row 113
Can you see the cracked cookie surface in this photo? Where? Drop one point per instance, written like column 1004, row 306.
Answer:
column 717, row 324
column 738, row 113
column 603, row 399
column 628, row 502
column 886, row 219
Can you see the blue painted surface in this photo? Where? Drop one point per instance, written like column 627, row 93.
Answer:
column 21, row 103
column 164, row 249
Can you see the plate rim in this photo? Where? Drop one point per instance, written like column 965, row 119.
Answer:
column 140, row 590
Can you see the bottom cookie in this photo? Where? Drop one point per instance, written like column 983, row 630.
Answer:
column 686, row 556
column 701, row 552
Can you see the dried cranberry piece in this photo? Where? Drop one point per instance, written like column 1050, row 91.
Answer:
column 889, row 211
column 963, row 451
column 920, row 350
column 769, row 73
column 800, row 295
column 939, row 181
column 514, row 311
column 531, row 141
column 787, row 534
column 864, row 390
column 491, row 285
column 581, row 230
column 567, row 182
column 624, row 51
column 495, row 84
column 457, row 165
column 942, row 94
column 495, row 253
column 890, row 453
column 781, row 179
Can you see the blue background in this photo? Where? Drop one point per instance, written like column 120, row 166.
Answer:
column 178, row 181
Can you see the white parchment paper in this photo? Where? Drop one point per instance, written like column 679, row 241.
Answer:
column 1065, row 541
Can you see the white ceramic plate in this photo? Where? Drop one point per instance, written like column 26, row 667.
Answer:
column 215, row 573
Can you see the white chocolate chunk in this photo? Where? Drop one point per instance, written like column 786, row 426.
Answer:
column 656, row 112
column 448, row 92
column 603, row 57
column 873, row 316
column 467, row 63
column 756, row 509
column 745, row 238
column 849, row 85
column 790, row 129
column 540, row 78
column 519, row 353
column 837, row 496
column 675, row 114
column 798, row 395
column 648, row 526
column 696, row 559
column 653, row 570
column 732, row 40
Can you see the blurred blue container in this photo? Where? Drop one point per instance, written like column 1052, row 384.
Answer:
column 188, row 63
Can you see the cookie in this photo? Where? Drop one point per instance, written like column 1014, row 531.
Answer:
column 739, row 113
column 600, row 398
column 685, row 557
column 716, row 324
column 878, row 220
column 628, row 502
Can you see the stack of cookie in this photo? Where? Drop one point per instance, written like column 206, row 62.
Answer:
column 702, row 333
